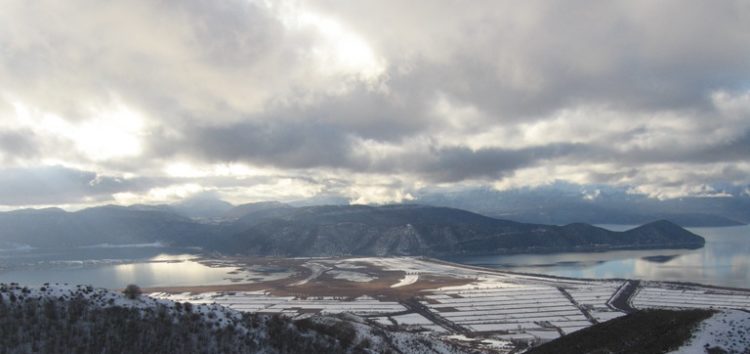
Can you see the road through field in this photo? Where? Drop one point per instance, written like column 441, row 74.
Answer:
column 621, row 299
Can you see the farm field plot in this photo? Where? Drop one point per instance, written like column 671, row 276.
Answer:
column 259, row 302
column 594, row 297
column 488, row 308
column 362, row 306
column 542, row 311
column 409, row 320
column 661, row 297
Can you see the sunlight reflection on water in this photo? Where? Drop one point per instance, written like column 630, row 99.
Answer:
column 723, row 261
column 160, row 270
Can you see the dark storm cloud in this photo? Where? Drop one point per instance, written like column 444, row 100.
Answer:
column 736, row 149
column 302, row 144
column 458, row 164
column 317, row 144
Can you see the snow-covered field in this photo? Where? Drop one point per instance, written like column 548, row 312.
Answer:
column 489, row 305
column 595, row 296
column 410, row 319
column 542, row 311
column 261, row 302
column 692, row 297
column 351, row 276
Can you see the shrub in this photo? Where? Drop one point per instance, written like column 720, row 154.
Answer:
column 132, row 291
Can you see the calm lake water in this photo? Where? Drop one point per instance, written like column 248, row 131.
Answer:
column 724, row 261
column 112, row 268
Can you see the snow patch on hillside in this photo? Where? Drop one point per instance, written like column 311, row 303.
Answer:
column 727, row 329
column 343, row 333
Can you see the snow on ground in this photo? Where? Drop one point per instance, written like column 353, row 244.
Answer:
column 316, row 268
column 489, row 343
column 384, row 321
column 495, row 305
column 660, row 297
column 412, row 265
column 348, row 265
column 482, row 277
column 727, row 329
column 222, row 317
column 594, row 297
column 351, row 276
column 434, row 328
column 406, row 280
column 407, row 344
column 108, row 298
column 257, row 301
column 360, row 305
column 409, row 321
column 519, row 311
column 606, row 316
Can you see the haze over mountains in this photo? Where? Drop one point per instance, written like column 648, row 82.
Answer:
column 273, row 228
column 558, row 204
column 563, row 203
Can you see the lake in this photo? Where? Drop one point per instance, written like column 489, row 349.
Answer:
column 113, row 267
column 724, row 261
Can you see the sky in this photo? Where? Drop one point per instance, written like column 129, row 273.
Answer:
column 142, row 101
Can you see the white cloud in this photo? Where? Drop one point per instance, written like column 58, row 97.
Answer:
column 161, row 195
column 591, row 195
column 111, row 131
column 337, row 50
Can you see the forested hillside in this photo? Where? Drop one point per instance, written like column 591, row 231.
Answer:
column 276, row 230
column 61, row 319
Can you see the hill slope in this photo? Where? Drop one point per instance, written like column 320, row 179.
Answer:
column 328, row 231
column 55, row 228
column 434, row 231
column 660, row 331
column 85, row 320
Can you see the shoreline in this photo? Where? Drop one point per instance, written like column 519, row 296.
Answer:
column 558, row 277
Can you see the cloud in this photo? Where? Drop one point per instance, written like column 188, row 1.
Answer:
column 371, row 100
column 17, row 145
column 527, row 57
column 56, row 185
column 281, row 144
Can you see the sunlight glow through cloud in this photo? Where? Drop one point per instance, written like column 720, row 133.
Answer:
column 107, row 132
column 337, row 49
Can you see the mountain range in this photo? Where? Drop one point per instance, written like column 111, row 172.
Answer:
column 563, row 203
column 282, row 230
